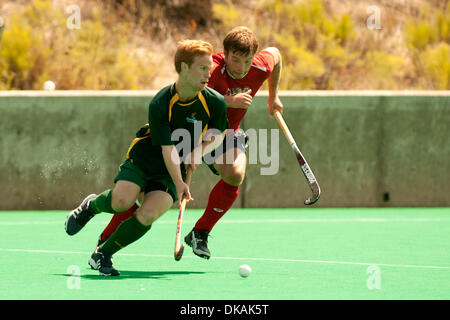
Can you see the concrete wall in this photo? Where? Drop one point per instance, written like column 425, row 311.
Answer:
column 365, row 148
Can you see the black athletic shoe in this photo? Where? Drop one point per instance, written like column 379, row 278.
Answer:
column 103, row 262
column 99, row 243
column 78, row 218
column 198, row 240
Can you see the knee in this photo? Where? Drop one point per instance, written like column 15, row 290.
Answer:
column 121, row 203
column 234, row 176
column 146, row 217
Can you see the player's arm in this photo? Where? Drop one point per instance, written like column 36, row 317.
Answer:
column 162, row 136
column 218, row 126
column 172, row 162
column 214, row 136
column 212, row 139
column 274, row 102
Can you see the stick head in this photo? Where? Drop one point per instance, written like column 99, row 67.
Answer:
column 179, row 254
column 315, row 196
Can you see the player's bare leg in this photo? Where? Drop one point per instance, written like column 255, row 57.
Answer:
column 232, row 173
column 221, row 199
column 117, row 219
column 124, row 195
column 154, row 205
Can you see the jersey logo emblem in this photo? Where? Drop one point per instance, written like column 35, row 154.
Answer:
column 192, row 119
column 234, row 91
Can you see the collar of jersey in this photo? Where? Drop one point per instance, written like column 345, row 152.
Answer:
column 235, row 77
column 176, row 99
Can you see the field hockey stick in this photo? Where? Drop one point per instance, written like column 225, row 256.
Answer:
column 179, row 248
column 309, row 175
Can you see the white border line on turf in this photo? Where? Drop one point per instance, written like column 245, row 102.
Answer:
column 237, row 258
column 301, row 220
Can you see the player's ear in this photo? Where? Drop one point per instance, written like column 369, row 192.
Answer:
column 184, row 66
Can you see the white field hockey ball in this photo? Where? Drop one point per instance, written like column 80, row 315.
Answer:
column 49, row 85
column 245, row 270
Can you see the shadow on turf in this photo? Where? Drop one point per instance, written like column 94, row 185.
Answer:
column 126, row 274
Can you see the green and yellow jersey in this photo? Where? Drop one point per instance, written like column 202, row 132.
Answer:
column 167, row 114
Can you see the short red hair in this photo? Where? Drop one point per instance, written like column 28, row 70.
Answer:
column 187, row 50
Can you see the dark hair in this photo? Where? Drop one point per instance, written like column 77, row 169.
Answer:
column 240, row 39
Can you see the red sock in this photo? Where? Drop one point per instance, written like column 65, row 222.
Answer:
column 116, row 220
column 220, row 200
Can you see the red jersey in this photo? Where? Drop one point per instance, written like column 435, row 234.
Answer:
column 261, row 68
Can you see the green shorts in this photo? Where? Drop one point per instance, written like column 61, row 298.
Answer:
column 131, row 172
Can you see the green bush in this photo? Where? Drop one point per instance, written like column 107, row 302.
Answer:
column 21, row 54
column 436, row 62
column 384, row 70
column 428, row 29
column 37, row 46
column 420, row 34
column 314, row 46
column 428, row 38
column 321, row 49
